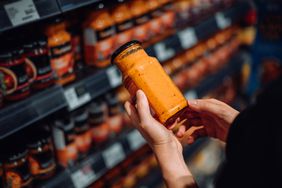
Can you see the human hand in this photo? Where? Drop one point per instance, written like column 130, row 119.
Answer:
column 154, row 132
column 214, row 116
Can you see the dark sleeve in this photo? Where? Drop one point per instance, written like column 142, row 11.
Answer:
column 254, row 144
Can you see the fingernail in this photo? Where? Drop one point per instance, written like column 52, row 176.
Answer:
column 193, row 102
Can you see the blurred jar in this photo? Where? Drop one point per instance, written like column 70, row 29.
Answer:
column 38, row 59
column 82, row 130
column 156, row 26
column 64, row 140
column 97, row 121
column 99, row 37
column 124, row 23
column 115, row 113
column 41, row 155
column 141, row 15
column 61, row 53
column 14, row 71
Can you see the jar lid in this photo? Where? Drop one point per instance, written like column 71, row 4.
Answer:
column 96, row 108
column 38, row 137
column 122, row 48
column 16, row 149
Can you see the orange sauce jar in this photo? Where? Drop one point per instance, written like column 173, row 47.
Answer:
column 141, row 15
column 124, row 23
column 99, row 39
column 61, row 53
column 141, row 71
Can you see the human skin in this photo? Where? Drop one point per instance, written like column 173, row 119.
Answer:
column 212, row 116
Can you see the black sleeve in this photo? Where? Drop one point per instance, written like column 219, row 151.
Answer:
column 254, row 144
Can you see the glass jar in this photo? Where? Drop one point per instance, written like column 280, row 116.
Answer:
column 141, row 71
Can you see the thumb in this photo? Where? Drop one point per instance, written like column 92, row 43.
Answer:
column 204, row 105
column 143, row 107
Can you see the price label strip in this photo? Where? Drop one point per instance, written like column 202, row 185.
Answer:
column 76, row 97
column 21, row 12
column 187, row 37
column 162, row 52
column 83, row 177
column 113, row 155
column 135, row 140
column 114, row 77
column 221, row 21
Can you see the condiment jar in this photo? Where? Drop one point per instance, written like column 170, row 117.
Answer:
column 64, row 140
column 115, row 118
column 61, row 53
column 82, row 130
column 97, row 121
column 141, row 71
column 41, row 155
column 16, row 80
column 16, row 166
column 124, row 23
column 99, row 39
column 141, row 15
column 156, row 13
column 37, row 58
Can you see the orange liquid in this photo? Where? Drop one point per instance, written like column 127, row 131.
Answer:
column 141, row 71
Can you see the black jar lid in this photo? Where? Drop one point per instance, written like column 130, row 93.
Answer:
column 122, row 48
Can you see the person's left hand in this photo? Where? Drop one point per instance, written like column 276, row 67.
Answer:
column 156, row 134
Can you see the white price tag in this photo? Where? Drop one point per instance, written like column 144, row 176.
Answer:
column 76, row 97
column 162, row 52
column 83, row 177
column 221, row 21
column 135, row 140
column 187, row 38
column 191, row 94
column 21, row 11
column 113, row 155
column 114, row 77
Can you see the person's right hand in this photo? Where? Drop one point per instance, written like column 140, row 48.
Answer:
column 214, row 116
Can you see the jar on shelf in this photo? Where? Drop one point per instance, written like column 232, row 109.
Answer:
column 41, row 155
column 99, row 37
column 156, row 26
column 83, row 133
column 16, row 166
column 37, row 57
column 13, row 68
column 124, row 23
column 64, row 140
column 168, row 16
column 98, row 122
column 141, row 15
column 61, row 53
column 115, row 118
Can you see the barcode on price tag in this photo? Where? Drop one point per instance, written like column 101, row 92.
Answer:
column 162, row 52
column 221, row 21
column 21, row 11
column 113, row 155
column 192, row 94
column 83, row 177
column 114, row 77
column 135, row 140
column 76, row 96
column 187, row 38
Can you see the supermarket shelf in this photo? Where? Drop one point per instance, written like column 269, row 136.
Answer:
column 30, row 110
column 234, row 66
column 96, row 165
column 67, row 5
column 190, row 36
column 99, row 82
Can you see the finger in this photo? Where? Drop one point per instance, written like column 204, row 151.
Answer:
column 143, row 107
column 205, row 105
column 132, row 113
column 198, row 133
column 181, row 131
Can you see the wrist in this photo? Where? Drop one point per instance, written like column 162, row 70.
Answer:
column 171, row 161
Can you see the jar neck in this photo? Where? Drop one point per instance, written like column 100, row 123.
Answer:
column 130, row 57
